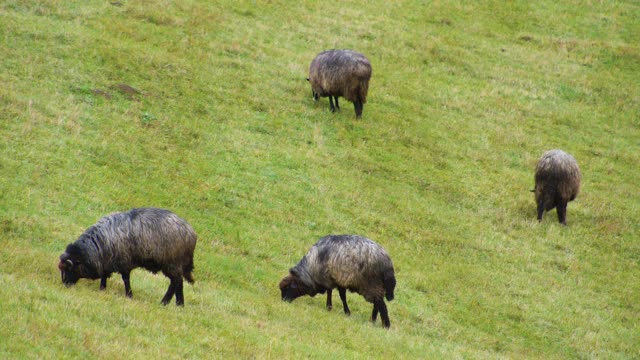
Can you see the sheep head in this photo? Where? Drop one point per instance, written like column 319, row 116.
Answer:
column 291, row 287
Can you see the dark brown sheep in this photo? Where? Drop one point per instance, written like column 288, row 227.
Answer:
column 557, row 182
column 154, row 239
column 345, row 73
column 346, row 262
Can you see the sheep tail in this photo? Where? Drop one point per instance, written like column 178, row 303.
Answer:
column 389, row 285
column 363, row 90
column 187, row 273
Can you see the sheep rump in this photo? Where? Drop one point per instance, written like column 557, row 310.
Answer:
column 154, row 239
column 346, row 262
column 557, row 182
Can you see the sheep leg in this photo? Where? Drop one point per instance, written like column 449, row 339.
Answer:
column 103, row 282
column 337, row 105
column 358, row 107
column 333, row 108
column 540, row 209
column 374, row 314
column 343, row 297
column 329, row 305
column 384, row 315
column 179, row 293
column 127, row 284
column 562, row 212
column 170, row 291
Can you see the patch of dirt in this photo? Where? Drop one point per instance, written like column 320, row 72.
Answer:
column 99, row 92
column 127, row 90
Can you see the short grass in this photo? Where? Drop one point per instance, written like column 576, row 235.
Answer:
column 202, row 107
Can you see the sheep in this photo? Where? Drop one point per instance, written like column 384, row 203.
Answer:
column 345, row 262
column 557, row 181
column 336, row 73
column 151, row 238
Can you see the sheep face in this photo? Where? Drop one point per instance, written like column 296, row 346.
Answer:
column 68, row 274
column 292, row 288
column 73, row 268
column 313, row 93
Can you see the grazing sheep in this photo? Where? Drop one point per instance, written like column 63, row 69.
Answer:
column 155, row 239
column 336, row 73
column 557, row 182
column 345, row 262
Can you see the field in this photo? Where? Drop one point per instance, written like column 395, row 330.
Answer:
column 203, row 108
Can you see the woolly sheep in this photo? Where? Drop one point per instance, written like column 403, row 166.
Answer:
column 336, row 73
column 151, row 238
column 345, row 262
column 557, row 181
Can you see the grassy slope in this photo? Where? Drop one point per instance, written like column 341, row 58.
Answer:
column 464, row 99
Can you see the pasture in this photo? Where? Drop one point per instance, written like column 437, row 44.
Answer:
column 202, row 108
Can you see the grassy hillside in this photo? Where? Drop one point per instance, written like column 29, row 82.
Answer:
column 203, row 108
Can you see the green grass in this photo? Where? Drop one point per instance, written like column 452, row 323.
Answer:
column 216, row 123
